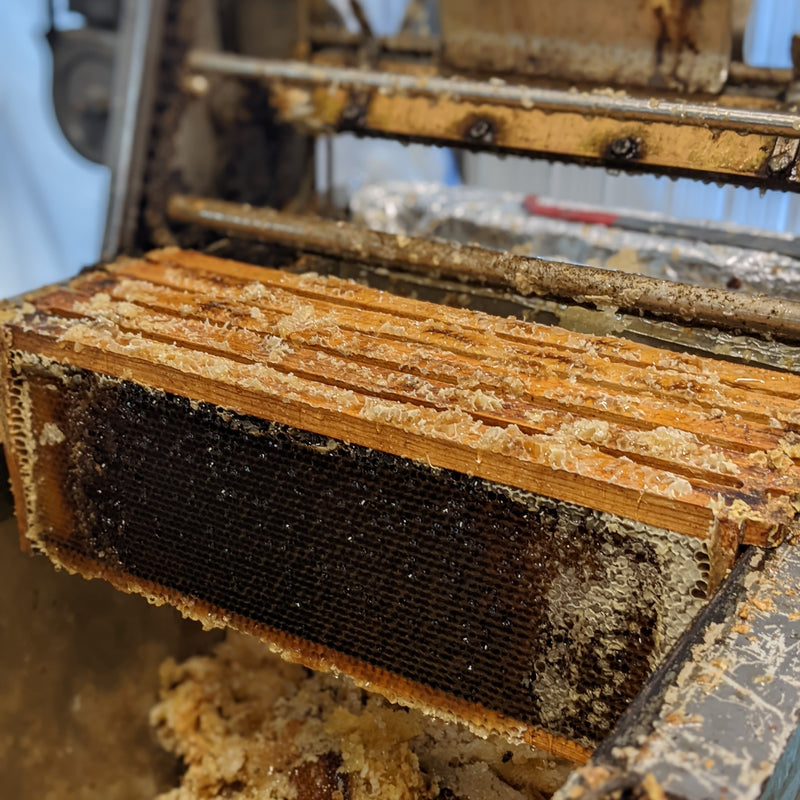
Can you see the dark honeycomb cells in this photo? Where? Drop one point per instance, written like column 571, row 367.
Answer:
column 436, row 576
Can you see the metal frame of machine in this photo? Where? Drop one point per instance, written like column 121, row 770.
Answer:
column 720, row 717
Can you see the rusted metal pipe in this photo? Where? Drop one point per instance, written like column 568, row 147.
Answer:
column 683, row 112
column 601, row 288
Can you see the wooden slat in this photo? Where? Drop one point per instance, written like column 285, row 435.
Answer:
column 542, row 364
column 601, row 349
column 320, row 361
column 675, row 441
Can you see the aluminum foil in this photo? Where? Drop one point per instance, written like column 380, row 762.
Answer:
column 500, row 220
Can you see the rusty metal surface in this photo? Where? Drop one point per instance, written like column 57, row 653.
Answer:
column 742, row 73
column 601, row 288
column 330, row 36
column 346, row 44
column 736, row 139
column 601, row 101
column 682, row 45
column 701, row 253
column 721, row 718
column 172, row 131
column 134, row 80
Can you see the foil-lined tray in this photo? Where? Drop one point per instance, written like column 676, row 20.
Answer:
column 718, row 256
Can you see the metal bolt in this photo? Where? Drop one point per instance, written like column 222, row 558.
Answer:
column 481, row 130
column 196, row 85
column 779, row 163
column 783, row 156
column 626, row 148
column 351, row 112
column 354, row 114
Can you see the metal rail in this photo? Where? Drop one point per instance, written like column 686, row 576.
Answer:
column 720, row 716
column 605, row 102
column 133, row 80
column 528, row 276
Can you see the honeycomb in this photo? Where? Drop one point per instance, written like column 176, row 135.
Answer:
column 547, row 614
column 248, row 724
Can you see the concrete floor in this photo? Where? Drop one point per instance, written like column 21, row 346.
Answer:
column 78, row 675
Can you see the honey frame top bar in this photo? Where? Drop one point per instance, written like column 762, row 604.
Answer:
column 698, row 446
